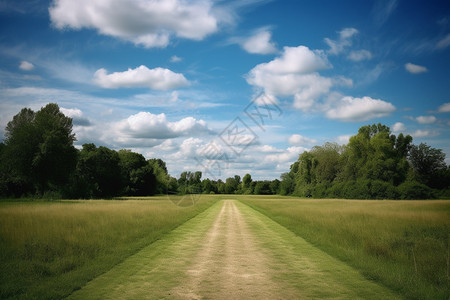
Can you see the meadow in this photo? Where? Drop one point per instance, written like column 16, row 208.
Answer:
column 50, row 249
column 402, row 244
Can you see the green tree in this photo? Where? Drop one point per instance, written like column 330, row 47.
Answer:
column 98, row 172
column 232, row 184
column 246, row 185
column 39, row 150
column 428, row 163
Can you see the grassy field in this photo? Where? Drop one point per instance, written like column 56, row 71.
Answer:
column 231, row 251
column 49, row 249
column 401, row 244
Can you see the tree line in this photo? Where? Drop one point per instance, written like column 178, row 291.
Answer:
column 375, row 164
column 38, row 159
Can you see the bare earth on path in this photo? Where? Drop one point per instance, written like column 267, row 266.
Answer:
column 231, row 251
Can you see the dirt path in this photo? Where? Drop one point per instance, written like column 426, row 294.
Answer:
column 230, row 264
column 231, row 251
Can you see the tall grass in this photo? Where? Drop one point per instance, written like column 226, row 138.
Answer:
column 49, row 249
column 401, row 244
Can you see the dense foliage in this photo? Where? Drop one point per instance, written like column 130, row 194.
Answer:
column 38, row 158
column 375, row 164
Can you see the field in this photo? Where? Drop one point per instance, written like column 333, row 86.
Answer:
column 49, row 249
column 249, row 246
column 402, row 244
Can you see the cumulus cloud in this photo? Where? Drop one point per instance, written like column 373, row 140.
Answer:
column 146, row 23
column 26, row 66
column 290, row 155
column 360, row 109
column 415, row 69
column 444, row 108
column 299, row 140
column 294, row 73
column 77, row 116
column 338, row 46
column 265, row 99
column 151, row 126
column 298, row 60
column 360, row 55
column 343, row 139
column 425, row 119
column 260, row 43
column 398, row 127
column 268, row 149
column 424, row 133
column 157, row 79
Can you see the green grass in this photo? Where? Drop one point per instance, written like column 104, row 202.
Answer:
column 195, row 261
column 401, row 244
column 50, row 249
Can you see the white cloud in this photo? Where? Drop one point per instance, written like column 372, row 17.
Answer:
column 426, row 119
column 290, row 155
column 146, row 23
column 265, row 99
column 360, row 55
column 424, row 133
column 158, row 78
column 360, row 109
column 259, row 43
column 444, row 43
column 415, row 69
column 26, row 66
column 150, row 126
column 299, row 140
column 444, row 108
column 293, row 73
column 77, row 116
column 298, row 60
column 398, row 127
column 268, row 149
column 345, row 35
column 175, row 59
column 343, row 139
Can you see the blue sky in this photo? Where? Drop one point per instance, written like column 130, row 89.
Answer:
column 229, row 87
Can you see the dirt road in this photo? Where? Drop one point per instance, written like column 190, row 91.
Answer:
column 231, row 251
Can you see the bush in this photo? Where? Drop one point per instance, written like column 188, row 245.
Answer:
column 383, row 190
column 414, row 190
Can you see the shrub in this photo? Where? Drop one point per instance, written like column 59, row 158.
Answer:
column 414, row 190
column 383, row 190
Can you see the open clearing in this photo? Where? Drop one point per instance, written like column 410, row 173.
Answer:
column 232, row 251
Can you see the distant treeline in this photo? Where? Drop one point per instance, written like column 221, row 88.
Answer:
column 38, row 159
column 375, row 164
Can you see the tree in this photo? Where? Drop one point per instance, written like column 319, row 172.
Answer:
column 246, row 184
column 39, row 150
column 232, row 184
column 137, row 175
column 427, row 162
column 262, row 188
column 98, row 172
column 275, row 186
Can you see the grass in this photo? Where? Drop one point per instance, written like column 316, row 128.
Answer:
column 402, row 244
column 220, row 255
column 50, row 249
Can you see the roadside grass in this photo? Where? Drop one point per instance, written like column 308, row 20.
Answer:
column 50, row 249
column 402, row 244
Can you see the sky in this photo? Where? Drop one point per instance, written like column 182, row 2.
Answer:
column 229, row 87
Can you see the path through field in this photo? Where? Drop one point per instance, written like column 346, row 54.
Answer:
column 231, row 251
